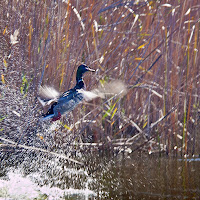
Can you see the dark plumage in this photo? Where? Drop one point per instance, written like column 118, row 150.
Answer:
column 66, row 102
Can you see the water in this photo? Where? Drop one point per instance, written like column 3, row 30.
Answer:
column 17, row 186
column 138, row 177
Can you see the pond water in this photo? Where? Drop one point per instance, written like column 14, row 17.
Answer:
column 35, row 176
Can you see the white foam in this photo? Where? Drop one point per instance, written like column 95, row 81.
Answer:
column 20, row 187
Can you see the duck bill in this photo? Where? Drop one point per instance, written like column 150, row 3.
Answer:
column 90, row 70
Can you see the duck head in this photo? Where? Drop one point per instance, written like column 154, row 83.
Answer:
column 79, row 75
column 81, row 70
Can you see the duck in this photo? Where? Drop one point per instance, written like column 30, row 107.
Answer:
column 61, row 104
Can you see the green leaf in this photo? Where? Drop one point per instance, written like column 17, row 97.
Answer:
column 1, row 119
column 109, row 111
column 113, row 113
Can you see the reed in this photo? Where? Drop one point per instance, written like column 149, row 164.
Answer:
column 151, row 46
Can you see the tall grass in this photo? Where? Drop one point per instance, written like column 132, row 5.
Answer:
column 152, row 46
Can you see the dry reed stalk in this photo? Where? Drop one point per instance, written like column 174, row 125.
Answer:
column 120, row 41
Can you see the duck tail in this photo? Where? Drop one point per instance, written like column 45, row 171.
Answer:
column 46, row 117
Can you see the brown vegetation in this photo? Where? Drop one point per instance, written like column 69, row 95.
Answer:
column 152, row 46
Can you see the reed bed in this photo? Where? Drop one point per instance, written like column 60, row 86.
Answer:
column 151, row 46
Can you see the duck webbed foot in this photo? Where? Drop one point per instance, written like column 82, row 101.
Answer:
column 56, row 117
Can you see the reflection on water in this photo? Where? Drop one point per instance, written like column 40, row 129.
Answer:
column 152, row 178
column 121, row 178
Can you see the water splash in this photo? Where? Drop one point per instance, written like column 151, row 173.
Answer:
column 18, row 187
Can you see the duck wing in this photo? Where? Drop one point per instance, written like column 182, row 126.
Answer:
column 88, row 95
column 48, row 95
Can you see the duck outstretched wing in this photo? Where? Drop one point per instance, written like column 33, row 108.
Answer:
column 48, row 95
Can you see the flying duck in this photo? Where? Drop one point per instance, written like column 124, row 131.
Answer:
column 61, row 104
